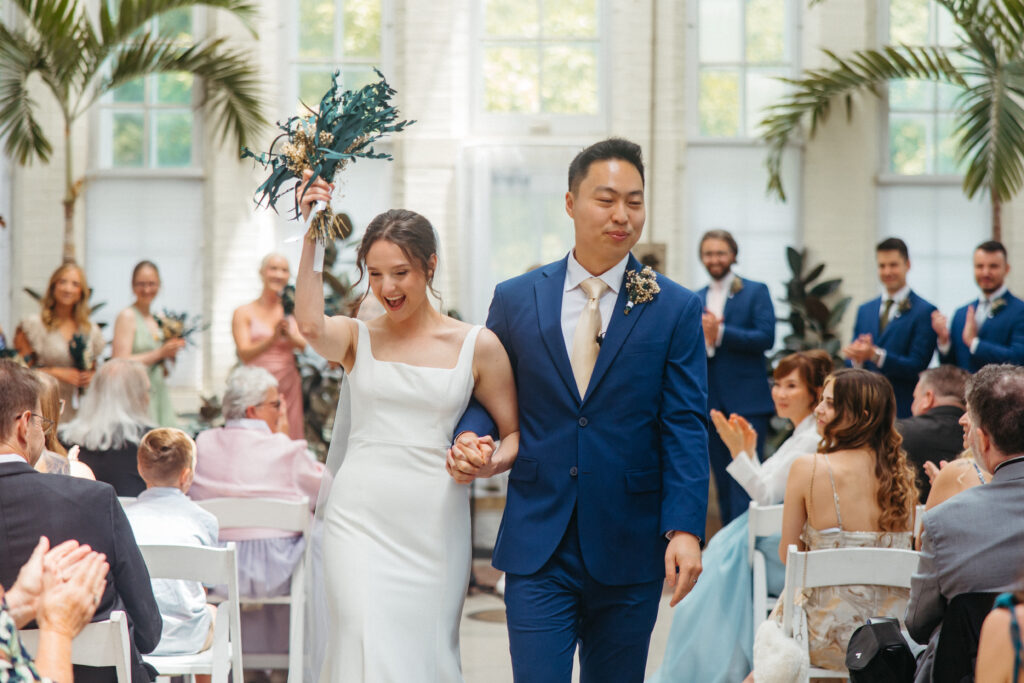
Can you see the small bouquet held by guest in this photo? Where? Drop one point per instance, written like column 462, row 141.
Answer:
column 178, row 326
column 81, row 358
column 324, row 141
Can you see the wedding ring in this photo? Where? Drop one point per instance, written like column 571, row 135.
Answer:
column 96, row 601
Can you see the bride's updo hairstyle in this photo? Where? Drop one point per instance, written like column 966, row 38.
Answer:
column 410, row 232
column 865, row 417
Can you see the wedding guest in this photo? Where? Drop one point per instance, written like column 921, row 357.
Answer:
column 893, row 334
column 55, row 458
column 970, row 542
column 114, row 416
column 64, row 508
column 163, row 515
column 252, row 456
column 934, row 433
column 1000, row 647
column 857, row 491
column 265, row 337
column 721, row 650
column 989, row 329
column 57, row 588
column 739, row 327
column 137, row 337
column 950, row 478
column 44, row 338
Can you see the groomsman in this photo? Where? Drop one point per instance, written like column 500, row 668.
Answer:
column 991, row 328
column 893, row 334
column 739, row 326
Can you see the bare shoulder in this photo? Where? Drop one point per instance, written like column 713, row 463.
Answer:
column 802, row 467
column 243, row 312
column 126, row 317
column 488, row 346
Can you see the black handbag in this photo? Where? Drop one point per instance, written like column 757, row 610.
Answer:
column 878, row 653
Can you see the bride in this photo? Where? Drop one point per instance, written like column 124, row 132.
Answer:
column 397, row 548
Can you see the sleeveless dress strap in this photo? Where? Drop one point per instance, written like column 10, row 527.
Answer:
column 835, row 494
column 362, row 343
column 977, row 469
column 469, row 344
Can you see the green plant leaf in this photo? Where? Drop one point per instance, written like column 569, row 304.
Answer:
column 814, row 274
column 837, row 312
column 823, row 289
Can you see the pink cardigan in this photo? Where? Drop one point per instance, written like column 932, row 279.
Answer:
column 243, row 460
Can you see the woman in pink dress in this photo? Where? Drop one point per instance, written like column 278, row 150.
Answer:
column 267, row 338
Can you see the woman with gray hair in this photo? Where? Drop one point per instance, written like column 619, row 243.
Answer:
column 110, row 423
column 252, row 456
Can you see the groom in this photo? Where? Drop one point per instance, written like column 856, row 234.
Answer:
column 608, row 494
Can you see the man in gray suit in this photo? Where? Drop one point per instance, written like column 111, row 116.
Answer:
column 963, row 551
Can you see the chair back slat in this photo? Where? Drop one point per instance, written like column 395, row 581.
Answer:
column 763, row 520
column 268, row 513
column 101, row 643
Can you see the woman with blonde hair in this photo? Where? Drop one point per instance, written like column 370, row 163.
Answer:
column 857, row 491
column 55, row 458
column 44, row 338
column 108, row 428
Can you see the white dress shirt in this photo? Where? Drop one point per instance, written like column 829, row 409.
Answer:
column 765, row 482
column 718, row 294
column 574, row 298
column 11, row 457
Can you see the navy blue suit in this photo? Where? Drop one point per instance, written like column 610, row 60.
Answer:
column 599, row 479
column 1001, row 338
column 738, row 381
column 908, row 340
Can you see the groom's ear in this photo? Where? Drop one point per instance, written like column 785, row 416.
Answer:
column 569, row 202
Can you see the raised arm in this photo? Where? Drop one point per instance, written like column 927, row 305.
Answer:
column 332, row 337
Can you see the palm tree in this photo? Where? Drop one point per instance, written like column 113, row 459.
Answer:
column 987, row 67
column 81, row 54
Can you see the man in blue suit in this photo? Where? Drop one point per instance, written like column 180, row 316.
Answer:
column 739, row 326
column 991, row 328
column 607, row 497
column 894, row 335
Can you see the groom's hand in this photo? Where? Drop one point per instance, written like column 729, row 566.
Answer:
column 682, row 564
column 468, row 455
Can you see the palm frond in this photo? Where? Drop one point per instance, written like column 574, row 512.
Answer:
column 132, row 15
column 864, row 71
column 58, row 27
column 24, row 136
column 991, row 125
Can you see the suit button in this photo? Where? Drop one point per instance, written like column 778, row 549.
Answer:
column 573, row 471
column 583, row 422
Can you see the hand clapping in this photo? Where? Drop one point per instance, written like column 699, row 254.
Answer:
column 736, row 433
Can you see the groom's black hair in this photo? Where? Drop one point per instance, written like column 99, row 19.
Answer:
column 612, row 148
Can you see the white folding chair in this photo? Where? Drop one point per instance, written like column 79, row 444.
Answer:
column 763, row 521
column 101, row 643
column 839, row 567
column 284, row 515
column 213, row 567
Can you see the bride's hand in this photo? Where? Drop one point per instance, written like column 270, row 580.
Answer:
column 319, row 191
column 468, row 455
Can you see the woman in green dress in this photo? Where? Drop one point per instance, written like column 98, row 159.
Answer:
column 137, row 336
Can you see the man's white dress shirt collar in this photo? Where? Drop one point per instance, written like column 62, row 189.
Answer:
column 11, row 457
column 248, row 423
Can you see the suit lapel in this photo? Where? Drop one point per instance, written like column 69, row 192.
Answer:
column 619, row 328
column 548, row 292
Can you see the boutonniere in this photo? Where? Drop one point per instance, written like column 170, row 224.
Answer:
column 736, row 287
column 641, row 287
column 996, row 306
column 903, row 307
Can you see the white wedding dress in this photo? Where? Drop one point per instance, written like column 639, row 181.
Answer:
column 397, row 547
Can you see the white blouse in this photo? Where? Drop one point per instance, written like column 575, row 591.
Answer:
column 765, row 482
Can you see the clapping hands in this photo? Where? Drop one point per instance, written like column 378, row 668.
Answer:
column 735, row 432
column 469, row 456
column 861, row 349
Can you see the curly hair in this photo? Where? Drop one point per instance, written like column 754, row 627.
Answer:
column 80, row 312
column 865, row 408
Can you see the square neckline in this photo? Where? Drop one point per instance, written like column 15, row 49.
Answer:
column 369, row 349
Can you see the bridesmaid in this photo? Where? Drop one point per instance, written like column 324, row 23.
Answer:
column 267, row 338
column 137, row 337
column 43, row 338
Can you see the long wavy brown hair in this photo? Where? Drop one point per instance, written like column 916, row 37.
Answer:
column 49, row 401
column 865, row 417
column 80, row 312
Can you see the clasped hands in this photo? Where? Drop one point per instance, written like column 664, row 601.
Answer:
column 469, row 457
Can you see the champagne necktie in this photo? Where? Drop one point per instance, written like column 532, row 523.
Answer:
column 584, row 341
column 883, row 320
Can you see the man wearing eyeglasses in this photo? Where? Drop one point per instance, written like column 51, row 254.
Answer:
column 63, row 508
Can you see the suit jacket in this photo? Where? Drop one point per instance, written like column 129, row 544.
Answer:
column 972, row 543
column 630, row 457
column 932, row 437
column 738, row 373
column 908, row 340
column 1001, row 338
column 62, row 508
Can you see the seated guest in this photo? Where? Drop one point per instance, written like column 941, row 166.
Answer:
column 933, row 433
column 56, row 459
column 857, row 492
column 950, row 478
column 970, row 543
column 722, row 601
column 113, row 417
column 65, row 508
column 252, row 456
column 58, row 589
column 163, row 515
column 1000, row 647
